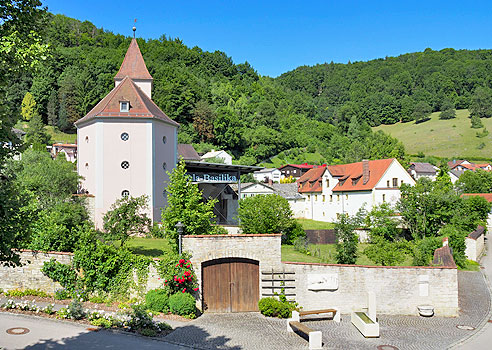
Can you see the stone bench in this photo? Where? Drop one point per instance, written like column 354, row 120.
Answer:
column 314, row 337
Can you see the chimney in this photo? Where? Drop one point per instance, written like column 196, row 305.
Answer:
column 445, row 241
column 365, row 171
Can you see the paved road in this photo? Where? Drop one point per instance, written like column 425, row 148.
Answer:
column 51, row 334
column 482, row 340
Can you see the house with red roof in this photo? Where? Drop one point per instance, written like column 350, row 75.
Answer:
column 464, row 165
column 126, row 144
column 335, row 189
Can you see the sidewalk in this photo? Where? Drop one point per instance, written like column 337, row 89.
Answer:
column 482, row 339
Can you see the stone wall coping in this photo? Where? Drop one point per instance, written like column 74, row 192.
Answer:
column 371, row 266
column 236, row 235
column 41, row 252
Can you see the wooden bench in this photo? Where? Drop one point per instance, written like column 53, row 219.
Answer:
column 314, row 337
column 334, row 312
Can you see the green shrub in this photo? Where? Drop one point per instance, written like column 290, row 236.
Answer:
column 273, row 307
column 62, row 294
column 182, row 304
column 25, row 292
column 98, row 299
column 62, row 273
column 101, row 322
column 157, row 300
column 423, row 251
column 75, row 310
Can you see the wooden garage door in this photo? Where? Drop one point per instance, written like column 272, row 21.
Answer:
column 230, row 285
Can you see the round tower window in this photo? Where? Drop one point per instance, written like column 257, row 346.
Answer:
column 125, row 164
column 164, row 139
column 164, row 165
column 125, row 193
column 124, row 136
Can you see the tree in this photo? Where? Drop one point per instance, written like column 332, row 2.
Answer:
column 49, row 181
column 347, row 239
column 268, row 214
column 386, row 253
column 447, row 110
column 185, row 204
column 382, row 222
column 127, row 217
column 52, row 109
column 476, row 123
column 479, row 181
column 28, row 109
column 36, row 135
column 21, row 49
column 481, row 103
column 421, row 112
column 203, row 121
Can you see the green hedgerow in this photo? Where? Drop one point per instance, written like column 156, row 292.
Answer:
column 157, row 300
column 182, row 304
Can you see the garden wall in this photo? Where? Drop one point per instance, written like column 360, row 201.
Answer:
column 475, row 244
column 29, row 275
column 399, row 290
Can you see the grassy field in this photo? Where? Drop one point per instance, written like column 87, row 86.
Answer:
column 308, row 224
column 452, row 138
column 326, row 253
column 153, row 247
column 56, row 135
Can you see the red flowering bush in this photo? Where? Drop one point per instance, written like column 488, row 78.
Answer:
column 180, row 278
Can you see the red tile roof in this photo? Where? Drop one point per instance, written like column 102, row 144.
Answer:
column 141, row 106
column 133, row 64
column 487, row 196
column 68, row 145
column 311, row 181
column 351, row 175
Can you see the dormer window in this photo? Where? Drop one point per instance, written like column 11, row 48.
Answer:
column 124, row 106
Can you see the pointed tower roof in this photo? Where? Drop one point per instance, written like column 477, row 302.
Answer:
column 133, row 64
column 141, row 106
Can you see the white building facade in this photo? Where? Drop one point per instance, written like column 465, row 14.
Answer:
column 333, row 190
column 126, row 143
column 268, row 174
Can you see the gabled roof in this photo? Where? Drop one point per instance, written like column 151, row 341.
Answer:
column 423, row 168
column 141, row 106
column 133, row 64
column 264, row 171
column 311, row 181
column 214, row 153
column 288, row 191
column 187, row 152
column 299, row 166
column 477, row 233
column 353, row 171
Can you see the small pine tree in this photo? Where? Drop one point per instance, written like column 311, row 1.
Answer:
column 476, row 123
column 28, row 108
column 52, row 109
column 36, row 135
column 447, row 110
column 185, row 205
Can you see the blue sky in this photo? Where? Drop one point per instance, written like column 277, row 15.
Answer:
column 278, row 36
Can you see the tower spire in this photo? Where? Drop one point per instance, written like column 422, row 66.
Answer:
column 134, row 28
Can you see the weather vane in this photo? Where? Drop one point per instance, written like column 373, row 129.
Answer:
column 134, row 28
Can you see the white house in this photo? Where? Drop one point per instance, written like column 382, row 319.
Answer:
column 335, row 189
column 69, row 150
column 418, row 170
column 251, row 189
column 267, row 174
column 296, row 200
column 126, row 143
column 218, row 154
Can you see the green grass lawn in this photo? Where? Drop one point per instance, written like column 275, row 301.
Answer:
column 56, row 135
column 308, row 224
column 152, row 247
column 453, row 138
column 326, row 253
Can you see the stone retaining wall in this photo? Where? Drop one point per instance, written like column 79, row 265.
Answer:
column 29, row 275
column 399, row 290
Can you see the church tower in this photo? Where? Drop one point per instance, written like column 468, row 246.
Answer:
column 126, row 144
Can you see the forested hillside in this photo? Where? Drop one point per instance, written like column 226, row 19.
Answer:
column 393, row 89
column 218, row 103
